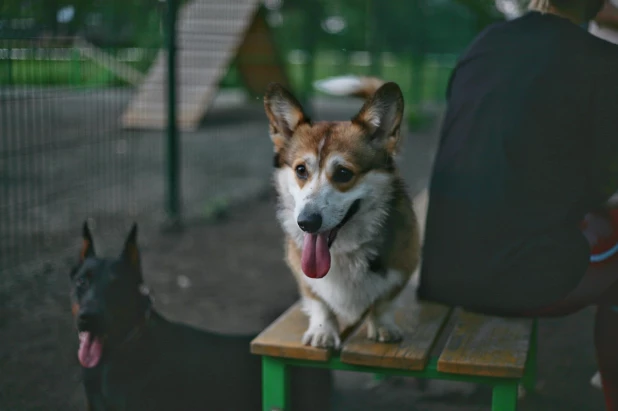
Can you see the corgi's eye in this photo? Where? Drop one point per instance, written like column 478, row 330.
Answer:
column 301, row 172
column 342, row 175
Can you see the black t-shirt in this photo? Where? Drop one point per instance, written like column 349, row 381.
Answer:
column 528, row 145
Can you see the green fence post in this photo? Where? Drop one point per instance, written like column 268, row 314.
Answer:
column 10, row 65
column 76, row 75
column 375, row 65
column 529, row 380
column 418, row 79
column 173, row 149
column 311, row 23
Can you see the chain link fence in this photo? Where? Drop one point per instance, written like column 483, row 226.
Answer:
column 88, row 92
column 84, row 100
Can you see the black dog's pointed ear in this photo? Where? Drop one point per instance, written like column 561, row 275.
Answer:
column 87, row 244
column 130, row 253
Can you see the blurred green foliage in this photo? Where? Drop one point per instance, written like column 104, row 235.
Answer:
column 421, row 38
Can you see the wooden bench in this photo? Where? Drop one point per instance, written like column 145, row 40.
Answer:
column 481, row 349
column 497, row 351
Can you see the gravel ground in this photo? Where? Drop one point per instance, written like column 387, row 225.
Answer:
column 64, row 158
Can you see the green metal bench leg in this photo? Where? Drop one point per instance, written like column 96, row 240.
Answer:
column 504, row 397
column 529, row 379
column 275, row 385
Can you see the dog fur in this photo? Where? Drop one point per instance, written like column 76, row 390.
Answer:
column 145, row 362
column 364, row 87
column 340, row 170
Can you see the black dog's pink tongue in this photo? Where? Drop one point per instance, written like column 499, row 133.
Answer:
column 315, row 260
column 90, row 350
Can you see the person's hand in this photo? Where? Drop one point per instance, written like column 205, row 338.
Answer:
column 597, row 226
column 608, row 16
column 612, row 202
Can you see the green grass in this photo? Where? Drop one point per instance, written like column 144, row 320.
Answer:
column 431, row 76
column 73, row 72
column 55, row 73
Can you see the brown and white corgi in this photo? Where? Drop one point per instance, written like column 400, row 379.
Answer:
column 352, row 238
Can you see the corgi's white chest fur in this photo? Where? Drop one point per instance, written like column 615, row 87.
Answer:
column 350, row 288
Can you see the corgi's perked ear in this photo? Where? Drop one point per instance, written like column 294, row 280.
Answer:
column 381, row 116
column 284, row 113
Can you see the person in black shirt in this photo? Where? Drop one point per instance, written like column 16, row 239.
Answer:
column 528, row 156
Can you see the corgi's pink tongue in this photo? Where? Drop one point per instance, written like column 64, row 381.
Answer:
column 90, row 350
column 315, row 260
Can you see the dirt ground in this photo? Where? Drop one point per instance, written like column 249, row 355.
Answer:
column 198, row 277
column 228, row 276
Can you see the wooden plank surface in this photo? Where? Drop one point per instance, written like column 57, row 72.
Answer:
column 258, row 61
column 486, row 346
column 207, row 44
column 201, row 9
column 197, row 41
column 283, row 338
column 421, row 324
column 120, row 69
column 220, row 26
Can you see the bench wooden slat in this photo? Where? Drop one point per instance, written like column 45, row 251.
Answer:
column 421, row 325
column 487, row 346
column 283, row 338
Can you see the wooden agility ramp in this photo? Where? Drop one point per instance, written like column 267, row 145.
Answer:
column 211, row 34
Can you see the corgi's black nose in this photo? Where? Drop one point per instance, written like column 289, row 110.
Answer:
column 309, row 223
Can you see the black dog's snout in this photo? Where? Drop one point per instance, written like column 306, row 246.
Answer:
column 88, row 321
column 309, row 223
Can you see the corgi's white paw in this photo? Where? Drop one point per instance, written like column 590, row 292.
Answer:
column 323, row 335
column 386, row 333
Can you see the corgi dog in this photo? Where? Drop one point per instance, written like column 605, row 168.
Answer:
column 352, row 237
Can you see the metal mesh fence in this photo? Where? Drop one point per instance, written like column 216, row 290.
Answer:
column 64, row 156
column 85, row 133
column 84, row 100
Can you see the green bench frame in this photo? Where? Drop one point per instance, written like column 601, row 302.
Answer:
column 276, row 377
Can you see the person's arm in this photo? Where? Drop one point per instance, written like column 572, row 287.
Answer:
column 613, row 201
column 608, row 16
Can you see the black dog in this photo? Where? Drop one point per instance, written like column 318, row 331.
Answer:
column 134, row 359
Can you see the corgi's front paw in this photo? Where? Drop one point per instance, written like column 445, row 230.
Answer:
column 387, row 333
column 323, row 336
